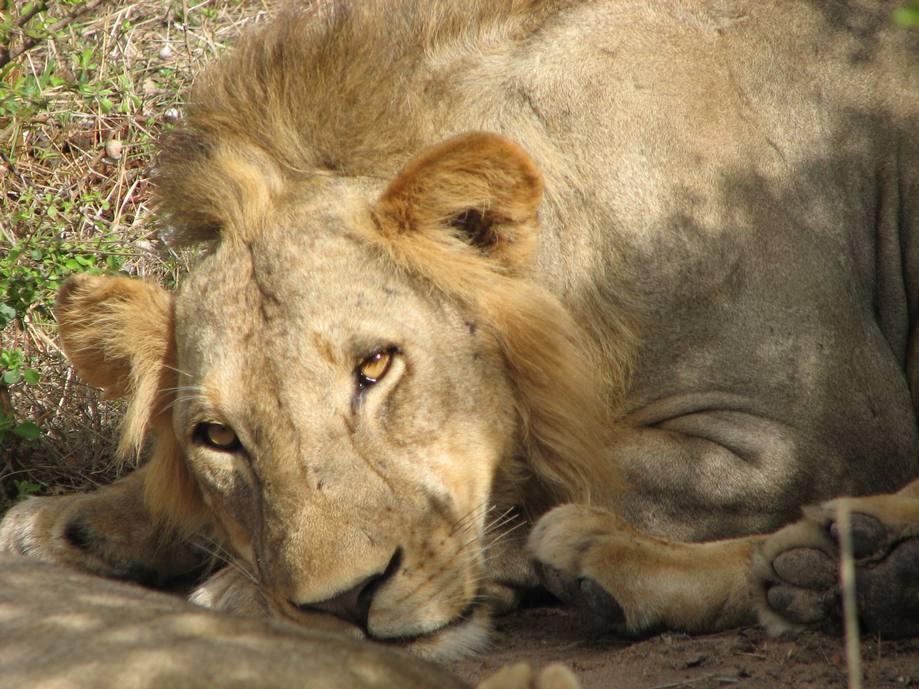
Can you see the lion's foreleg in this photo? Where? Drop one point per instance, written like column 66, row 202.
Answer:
column 911, row 490
column 108, row 532
column 638, row 583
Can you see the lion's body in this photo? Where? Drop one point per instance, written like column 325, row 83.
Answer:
column 737, row 192
column 65, row 630
column 714, row 323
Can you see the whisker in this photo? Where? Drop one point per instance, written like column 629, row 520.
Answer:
column 186, row 398
column 498, row 524
column 219, row 553
column 496, row 536
column 468, row 520
column 185, row 388
column 490, row 545
column 495, row 531
column 177, row 370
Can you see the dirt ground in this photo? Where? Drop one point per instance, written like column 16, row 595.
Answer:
column 745, row 658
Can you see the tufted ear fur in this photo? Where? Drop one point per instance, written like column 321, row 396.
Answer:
column 118, row 333
column 478, row 189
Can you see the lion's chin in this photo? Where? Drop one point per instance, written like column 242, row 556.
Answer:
column 465, row 635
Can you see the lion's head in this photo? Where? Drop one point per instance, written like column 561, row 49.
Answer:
column 359, row 372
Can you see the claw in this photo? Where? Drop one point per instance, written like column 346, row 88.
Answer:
column 600, row 602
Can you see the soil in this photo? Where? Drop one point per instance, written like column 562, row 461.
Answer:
column 746, row 658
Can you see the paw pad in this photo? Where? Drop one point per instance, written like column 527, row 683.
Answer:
column 799, row 575
column 868, row 534
column 808, row 568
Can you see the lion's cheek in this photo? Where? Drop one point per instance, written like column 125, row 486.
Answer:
column 230, row 501
column 463, row 467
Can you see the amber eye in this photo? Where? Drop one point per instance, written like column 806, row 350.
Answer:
column 217, row 436
column 374, row 367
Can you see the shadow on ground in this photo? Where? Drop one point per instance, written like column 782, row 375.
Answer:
column 745, row 658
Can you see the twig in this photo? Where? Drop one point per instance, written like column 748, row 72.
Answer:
column 12, row 167
column 29, row 42
column 847, row 576
column 185, row 31
column 24, row 19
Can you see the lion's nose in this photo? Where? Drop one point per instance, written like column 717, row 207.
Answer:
column 353, row 605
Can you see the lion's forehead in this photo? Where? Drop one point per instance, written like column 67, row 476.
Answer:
column 303, row 303
column 289, row 278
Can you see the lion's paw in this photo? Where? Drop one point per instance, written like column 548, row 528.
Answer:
column 23, row 532
column 105, row 533
column 796, row 570
column 565, row 545
column 231, row 590
column 522, row 676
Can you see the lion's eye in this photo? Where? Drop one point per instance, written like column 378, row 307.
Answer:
column 217, row 436
column 374, row 367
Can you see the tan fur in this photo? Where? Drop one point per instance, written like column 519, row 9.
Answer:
column 736, row 181
column 561, row 401
column 63, row 630
column 565, row 408
column 134, row 358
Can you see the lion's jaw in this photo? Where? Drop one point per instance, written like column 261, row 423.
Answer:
column 331, row 485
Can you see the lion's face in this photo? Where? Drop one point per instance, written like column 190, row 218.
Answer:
column 344, row 424
column 352, row 384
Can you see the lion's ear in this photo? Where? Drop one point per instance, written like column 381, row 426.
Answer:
column 478, row 188
column 118, row 333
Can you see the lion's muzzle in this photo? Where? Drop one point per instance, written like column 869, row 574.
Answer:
column 353, row 604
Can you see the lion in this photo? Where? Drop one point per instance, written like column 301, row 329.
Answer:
column 593, row 296
column 64, row 629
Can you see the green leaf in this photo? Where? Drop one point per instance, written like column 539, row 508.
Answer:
column 26, row 9
column 31, row 376
column 7, row 314
column 25, row 488
column 27, row 430
column 12, row 377
column 906, row 16
column 9, row 358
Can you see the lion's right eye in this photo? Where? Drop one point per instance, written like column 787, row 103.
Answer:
column 217, row 436
column 374, row 367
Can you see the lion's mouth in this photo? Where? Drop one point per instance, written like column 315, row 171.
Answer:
column 408, row 639
column 468, row 629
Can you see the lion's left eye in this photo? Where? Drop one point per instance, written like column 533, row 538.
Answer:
column 374, row 367
column 217, row 436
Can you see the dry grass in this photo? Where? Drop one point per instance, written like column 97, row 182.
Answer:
column 68, row 201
